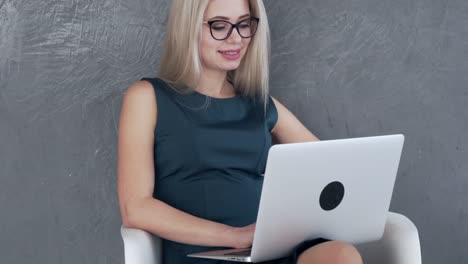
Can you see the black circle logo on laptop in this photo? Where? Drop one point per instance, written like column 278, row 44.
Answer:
column 332, row 195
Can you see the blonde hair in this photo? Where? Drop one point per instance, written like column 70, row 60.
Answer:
column 181, row 61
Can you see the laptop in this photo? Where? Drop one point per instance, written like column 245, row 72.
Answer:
column 335, row 189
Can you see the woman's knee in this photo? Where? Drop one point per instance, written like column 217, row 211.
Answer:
column 333, row 252
column 346, row 253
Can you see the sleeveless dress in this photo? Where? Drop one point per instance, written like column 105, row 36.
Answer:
column 210, row 154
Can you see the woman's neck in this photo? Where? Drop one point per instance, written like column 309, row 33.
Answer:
column 214, row 84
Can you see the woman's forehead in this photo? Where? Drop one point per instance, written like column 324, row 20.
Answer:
column 227, row 9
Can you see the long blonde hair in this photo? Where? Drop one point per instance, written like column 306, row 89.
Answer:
column 181, row 61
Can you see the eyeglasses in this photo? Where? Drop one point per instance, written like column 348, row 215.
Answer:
column 221, row 29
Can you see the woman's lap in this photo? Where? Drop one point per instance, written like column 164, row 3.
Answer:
column 292, row 258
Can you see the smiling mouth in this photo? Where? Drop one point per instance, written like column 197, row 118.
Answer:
column 230, row 52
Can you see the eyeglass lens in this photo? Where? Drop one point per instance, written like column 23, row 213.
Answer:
column 222, row 29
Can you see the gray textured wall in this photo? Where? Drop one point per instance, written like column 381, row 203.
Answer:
column 345, row 68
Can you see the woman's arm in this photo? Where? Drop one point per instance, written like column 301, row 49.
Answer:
column 288, row 128
column 136, row 180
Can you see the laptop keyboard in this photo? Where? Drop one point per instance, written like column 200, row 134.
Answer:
column 241, row 253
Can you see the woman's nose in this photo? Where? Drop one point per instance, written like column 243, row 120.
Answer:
column 234, row 37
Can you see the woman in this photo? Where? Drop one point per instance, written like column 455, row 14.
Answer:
column 193, row 143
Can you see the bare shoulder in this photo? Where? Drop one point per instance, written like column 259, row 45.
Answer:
column 139, row 103
column 279, row 108
column 141, row 91
column 276, row 102
column 288, row 129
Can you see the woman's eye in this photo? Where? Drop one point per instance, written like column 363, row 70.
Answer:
column 244, row 25
column 218, row 28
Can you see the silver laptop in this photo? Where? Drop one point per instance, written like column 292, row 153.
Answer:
column 335, row 189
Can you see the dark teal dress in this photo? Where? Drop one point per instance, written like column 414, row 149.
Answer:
column 210, row 154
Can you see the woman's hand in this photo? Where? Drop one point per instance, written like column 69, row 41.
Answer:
column 242, row 237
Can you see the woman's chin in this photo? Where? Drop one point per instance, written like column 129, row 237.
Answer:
column 230, row 66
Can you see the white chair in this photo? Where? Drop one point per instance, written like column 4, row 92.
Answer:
column 399, row 245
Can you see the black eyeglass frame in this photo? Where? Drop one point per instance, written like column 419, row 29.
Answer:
column 232, row 27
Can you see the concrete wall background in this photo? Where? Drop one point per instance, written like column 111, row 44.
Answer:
column 345, row 68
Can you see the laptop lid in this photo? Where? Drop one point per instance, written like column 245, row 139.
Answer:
column 334, row 189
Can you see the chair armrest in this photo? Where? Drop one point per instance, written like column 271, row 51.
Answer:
column 141, row 247
column 399, row 244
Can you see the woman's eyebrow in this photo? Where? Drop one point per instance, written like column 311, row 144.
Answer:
column 227, row 18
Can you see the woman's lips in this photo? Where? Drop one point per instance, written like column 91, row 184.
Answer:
column 230, row 51
column 230, row 54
